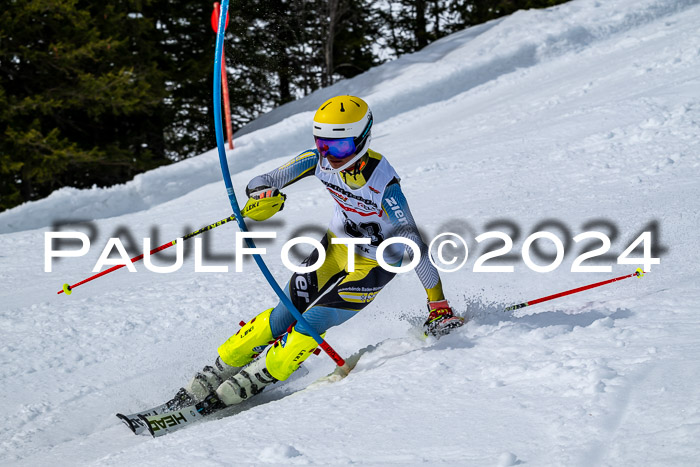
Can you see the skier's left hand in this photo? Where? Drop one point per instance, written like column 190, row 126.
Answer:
column 441, row 319
column 264, row 202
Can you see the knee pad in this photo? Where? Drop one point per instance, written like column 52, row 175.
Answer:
column 248, row 342
column 287, row 354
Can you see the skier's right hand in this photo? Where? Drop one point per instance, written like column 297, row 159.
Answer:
column 441, row 320
column 263, row 203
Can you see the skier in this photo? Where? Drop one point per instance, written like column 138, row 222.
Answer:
column 370, row 205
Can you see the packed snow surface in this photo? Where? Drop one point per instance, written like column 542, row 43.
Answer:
column 582, row 117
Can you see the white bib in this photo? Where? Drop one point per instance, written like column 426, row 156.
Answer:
column 358, row 212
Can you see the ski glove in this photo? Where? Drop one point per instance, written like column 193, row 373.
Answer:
column 263, row 203
column 441, row 320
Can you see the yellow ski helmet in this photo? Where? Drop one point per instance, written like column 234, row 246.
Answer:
column 342, row 129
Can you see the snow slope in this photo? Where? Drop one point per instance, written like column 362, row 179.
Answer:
column 582, row 113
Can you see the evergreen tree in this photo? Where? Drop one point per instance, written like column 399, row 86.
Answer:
column 74, row 108
column 257, row 58
column 94, row 93
column 410, row 25
column 472, row 12
column 181, row 45
column 350, row 40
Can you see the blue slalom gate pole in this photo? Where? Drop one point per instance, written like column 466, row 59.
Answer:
column 234, row 203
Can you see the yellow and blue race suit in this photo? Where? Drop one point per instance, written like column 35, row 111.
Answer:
column 369, row 204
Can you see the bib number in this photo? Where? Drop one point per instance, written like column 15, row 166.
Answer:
column 370, row 230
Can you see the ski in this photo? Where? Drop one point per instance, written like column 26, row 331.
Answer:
column 138, row 426
column 168, row 417
column 167, row 422
column 160, row 424
column 180, row 412
column 135, row 423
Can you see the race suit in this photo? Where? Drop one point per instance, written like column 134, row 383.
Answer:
column 369, row 204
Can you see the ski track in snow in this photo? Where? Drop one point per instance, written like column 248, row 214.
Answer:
column 581, row 112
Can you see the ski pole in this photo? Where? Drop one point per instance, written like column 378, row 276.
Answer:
column 638, row 273
column 68, row 289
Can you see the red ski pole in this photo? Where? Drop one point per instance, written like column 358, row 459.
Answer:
column 637, row 273
column 68, row 289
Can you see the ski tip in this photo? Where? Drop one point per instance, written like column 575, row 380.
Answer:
column 67, row 289
column 148, row 425
column 127, row 422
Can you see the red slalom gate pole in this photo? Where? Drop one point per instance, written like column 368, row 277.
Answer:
column 227, row 104
column 224, row 78
column 638, row 273
column 68, row 289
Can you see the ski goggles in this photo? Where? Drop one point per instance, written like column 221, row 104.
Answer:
column 340, row 148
